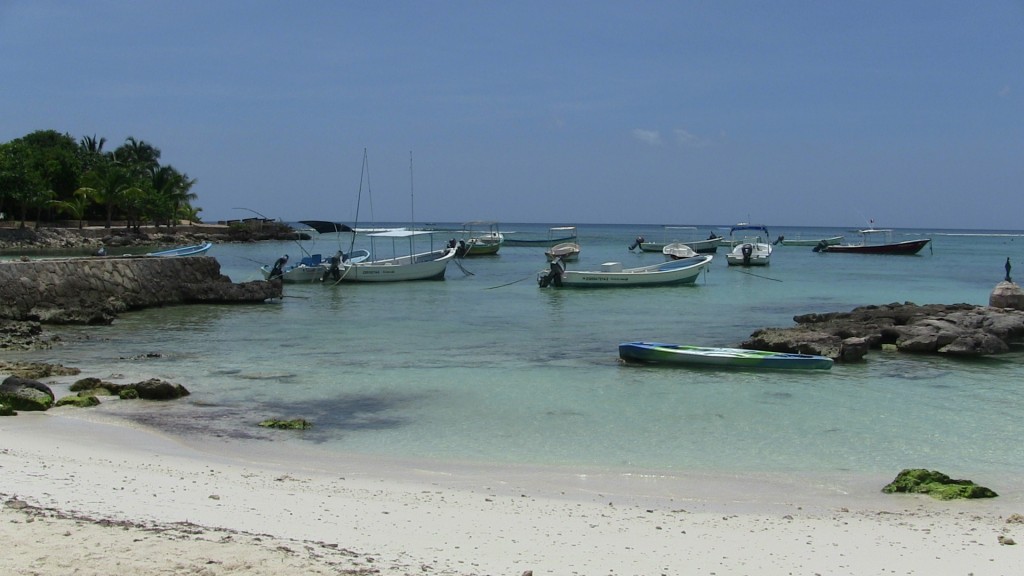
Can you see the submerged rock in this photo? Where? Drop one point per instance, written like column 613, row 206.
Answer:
column 297, row 424
column 935, row 484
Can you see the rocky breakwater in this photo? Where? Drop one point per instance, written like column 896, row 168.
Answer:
column 95, row 290
column 950, row 329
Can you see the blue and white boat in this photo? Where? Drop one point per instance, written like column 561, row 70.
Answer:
column 195, row 250
column 675, row 354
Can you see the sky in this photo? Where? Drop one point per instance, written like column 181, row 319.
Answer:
column 786, row 113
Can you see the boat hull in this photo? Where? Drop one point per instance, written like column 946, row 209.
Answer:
column 196, row 250
column 673, row 354
column 907, row 247
column 673, row 272
column 424, row 266
column 800, row 242
column 566, row 251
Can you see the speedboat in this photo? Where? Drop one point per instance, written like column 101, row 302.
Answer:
column 753, row 249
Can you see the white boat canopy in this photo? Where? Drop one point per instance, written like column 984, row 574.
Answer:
column 400, row 233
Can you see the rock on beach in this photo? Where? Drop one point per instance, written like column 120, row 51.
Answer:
column 950, row 329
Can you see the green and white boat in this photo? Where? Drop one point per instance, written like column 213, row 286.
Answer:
column 658, row 353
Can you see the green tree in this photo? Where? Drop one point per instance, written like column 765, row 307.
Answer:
column 76, row 206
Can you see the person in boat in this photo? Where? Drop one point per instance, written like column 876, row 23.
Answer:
column 334, row 269
column 278, row 270
column 712, row 236
column 462, row 250
column 1008, row 269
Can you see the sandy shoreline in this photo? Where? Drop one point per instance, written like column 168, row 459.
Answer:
column 94, row 498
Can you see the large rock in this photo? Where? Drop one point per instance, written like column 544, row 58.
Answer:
column 24, row 394
column 1007, row 295
column 954, row 329
column 935, row 484
column 96, row 290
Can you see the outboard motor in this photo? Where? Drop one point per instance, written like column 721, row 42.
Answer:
column 820, row 246
column 554, row 275
column 637, row 242
column 747, row 250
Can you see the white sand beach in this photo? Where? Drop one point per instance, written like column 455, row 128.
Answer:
column 83, row 497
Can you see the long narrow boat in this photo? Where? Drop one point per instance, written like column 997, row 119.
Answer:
column 872, row 245
column 556, row 235
column 612, row 275
column 680, row 235
column 674, row 354
column 830, row 241
column 183, row 251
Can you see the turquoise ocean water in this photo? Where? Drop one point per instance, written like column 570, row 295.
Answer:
column 486, row 367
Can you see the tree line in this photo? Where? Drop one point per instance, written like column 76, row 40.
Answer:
column 46, row 175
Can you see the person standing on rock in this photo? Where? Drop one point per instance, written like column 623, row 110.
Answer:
column 1008, row 269
column 278, row 270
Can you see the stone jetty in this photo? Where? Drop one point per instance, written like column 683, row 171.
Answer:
column 94, row 290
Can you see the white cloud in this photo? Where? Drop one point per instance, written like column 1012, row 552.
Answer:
column 685, row 138
column 651, row 137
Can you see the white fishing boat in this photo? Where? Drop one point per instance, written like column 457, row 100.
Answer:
column 613, row 275
column 751, row 247
column 428, row 265
column 568, row 251
column 678, row 251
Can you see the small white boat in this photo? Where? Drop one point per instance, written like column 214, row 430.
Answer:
column 196, row 250
column 566, row 251
column 429, row 265
column 678, row 251
column 613, row 275
column 753, row 249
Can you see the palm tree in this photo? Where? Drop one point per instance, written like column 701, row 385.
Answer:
column 75, row 206
column 174, row 188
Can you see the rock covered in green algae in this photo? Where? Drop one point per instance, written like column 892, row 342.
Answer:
column 298, row 424
column 6, row 410
column 79, row 400
column 936, row 484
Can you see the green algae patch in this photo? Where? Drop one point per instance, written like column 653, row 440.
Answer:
column 935, row 484
column 6, row 410
column 297, row 424
column 79, row 401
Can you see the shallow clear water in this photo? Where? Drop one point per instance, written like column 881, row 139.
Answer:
column 488, row 367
